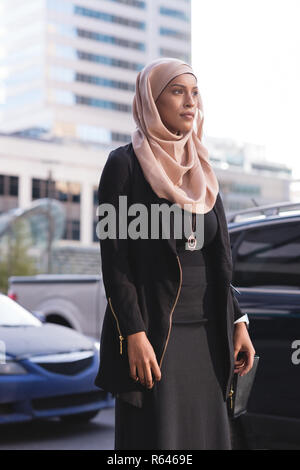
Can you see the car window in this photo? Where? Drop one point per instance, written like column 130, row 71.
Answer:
column 233, row 238
column 269, row 256
column 13, row 314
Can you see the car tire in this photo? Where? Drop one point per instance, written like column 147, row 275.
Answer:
column 79, row 417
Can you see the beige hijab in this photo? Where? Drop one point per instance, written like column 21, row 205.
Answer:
column 177, row 167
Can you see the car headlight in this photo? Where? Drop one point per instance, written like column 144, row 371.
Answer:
column 12, row 368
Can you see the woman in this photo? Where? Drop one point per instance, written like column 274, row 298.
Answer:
column 173, row 328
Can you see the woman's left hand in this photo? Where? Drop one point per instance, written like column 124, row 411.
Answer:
column 242, row 344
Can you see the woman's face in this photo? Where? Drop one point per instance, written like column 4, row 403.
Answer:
column 177, row 103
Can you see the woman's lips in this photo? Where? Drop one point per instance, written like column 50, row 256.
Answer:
column 190, row 117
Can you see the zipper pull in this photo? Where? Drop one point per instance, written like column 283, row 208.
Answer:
column 230, row 396
column 121, row 339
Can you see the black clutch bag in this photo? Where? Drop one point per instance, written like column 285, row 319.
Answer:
column 240, row 390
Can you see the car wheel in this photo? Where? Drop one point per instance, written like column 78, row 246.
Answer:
column 79, row 417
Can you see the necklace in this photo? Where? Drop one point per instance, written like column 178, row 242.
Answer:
column 192, row 242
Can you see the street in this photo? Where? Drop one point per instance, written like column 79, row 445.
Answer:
column 98, row 434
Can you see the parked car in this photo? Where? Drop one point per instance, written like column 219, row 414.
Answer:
column 265, row 245
column 46, row 370
column 76, row 301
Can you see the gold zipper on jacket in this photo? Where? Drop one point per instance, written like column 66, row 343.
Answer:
column 178, row 291
column 230, row 396
column 120, row 334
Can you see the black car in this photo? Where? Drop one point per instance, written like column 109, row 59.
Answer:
column 265, row 244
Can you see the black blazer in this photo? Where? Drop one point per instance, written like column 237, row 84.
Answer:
column 142, row 279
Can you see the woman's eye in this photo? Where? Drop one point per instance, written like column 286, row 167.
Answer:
column 178, row 91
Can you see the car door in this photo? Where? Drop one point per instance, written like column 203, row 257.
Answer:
column 266, row 258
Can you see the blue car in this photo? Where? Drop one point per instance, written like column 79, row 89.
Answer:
column 46, row 370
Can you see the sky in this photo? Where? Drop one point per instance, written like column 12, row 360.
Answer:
column 246, row 56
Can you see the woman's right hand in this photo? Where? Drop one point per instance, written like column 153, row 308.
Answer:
column 142, row 359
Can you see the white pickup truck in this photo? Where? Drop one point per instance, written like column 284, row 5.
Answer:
column 77, row 301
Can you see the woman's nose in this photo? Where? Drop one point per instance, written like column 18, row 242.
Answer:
column 191, row 99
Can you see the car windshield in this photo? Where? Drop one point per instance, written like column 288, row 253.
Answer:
column 12, row 314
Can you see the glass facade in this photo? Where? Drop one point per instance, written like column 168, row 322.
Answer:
column 100, row 135
column 26, row 31
column 72, row 230
column 178, row 14
column 27, row 75
column 68, row 8
column 93, row 134
column 74, row 32
column 69, row 52
column 29, row 97
column 105, row 104
column 9, row 185
column 69, row 98
column 23, row 55
column 25, row 9
column 69, row 75
column 99, row 15
column 173, row 33
column 131, row 3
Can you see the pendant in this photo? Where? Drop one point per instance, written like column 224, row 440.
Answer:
column 192, row 242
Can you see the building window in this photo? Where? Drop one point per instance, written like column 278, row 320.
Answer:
column 95, row 237
column 1, row 185
column 98, row 103
column 99, row 15
column 69, row 75
column 74, row 32
column 93, row 134
column 40, row 189
column 13, row 186
column 173, row 33
column 118, row 137
column 102, row 81
column 95, row 199
column 25, row 98
column 117, row 41
column 111, row 61
column 178, row 14
column 9, row 185
column 72, row 230
column 9, row 191
column 68, row 52
column 131, row 3
column 60, row 190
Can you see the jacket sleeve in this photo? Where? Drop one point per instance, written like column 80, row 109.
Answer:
column 117, row 276
column 238, row 314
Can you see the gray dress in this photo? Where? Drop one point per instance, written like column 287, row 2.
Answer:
column 186, row 409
